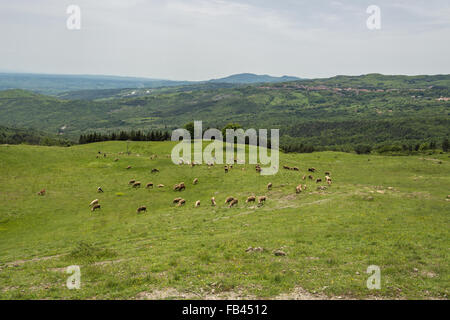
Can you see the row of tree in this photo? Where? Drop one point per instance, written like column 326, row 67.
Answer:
column 153, row 135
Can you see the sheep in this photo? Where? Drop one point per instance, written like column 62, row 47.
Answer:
column 310, row 177
column 176, row 200
column 95, row 207
column 132, row 181
column 233, row 202
column 213, row 201
column 327, row 178
column 229, row 199
column 197, row 203
column 250, row 199
column 137, row 184
column 311, row 169
column 226, row 169
column 262, row 199
column 304, row 177
column 329, row 182
column 99, row 190
column 258, row 169
column 94, row 202
column 41, row 193
column 149, row 185
column 155, row 170
column 141, row 209
column 195, row 181
column 181, row 202
column 116, row 159
column 160, row 186
column 269, row 186
column 129, row 167
column 295, row 169
column 304, row 187
column 287, row 167
column 327, row 173
column 181, row 186
column 318, row 180
column 298, row 188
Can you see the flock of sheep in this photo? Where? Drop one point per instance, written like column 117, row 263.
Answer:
column 230, row 201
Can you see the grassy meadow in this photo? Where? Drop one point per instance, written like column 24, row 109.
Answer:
column 392, row 212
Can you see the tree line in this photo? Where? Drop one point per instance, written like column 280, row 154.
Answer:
column 138, row 135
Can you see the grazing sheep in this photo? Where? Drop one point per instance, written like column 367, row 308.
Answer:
column 41, row 193
column 311, row 169
column 304, row 187
column 181, row 202
column 226, row 169
column 132, row 181
column 155, row 170
column 99, row 190
column 195, row 181
column 318, row 180
column 232, row 203
column 258, row 169
column 197, row 203
column 298, row 188
column 95, row 207
column 129, row 167
column 329, row 182
column 213, row 201
column 229, row 199
column 250, row 199
column 327, row 173
column 304, row 177
column 327, row 178
column 310, row 177
column 94, row 202
column 287, row 167
column 262, row 199
column 116, row 159
column 137, row 184
column 141, row 209
column 149, row 185
column 160, row 186
column 295, row 169
column 321, row 188
column 176, row 200
column 269, row 186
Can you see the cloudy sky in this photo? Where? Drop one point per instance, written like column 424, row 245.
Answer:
column 203, row 39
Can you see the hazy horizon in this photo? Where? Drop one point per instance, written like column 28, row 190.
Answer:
column 198, row 40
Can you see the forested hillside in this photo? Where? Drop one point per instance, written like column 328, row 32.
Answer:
column 335, row 112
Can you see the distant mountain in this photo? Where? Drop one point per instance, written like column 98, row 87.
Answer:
column 54, row 84
column 253, row 78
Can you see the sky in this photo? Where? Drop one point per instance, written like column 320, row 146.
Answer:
column 205, row 39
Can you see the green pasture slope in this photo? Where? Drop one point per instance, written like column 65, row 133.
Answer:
column 385, row 211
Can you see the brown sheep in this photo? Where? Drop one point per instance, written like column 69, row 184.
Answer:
column 41, row 193
column 149, row 185
column 298, row 188
column 329, row 182
column 295, row 169
column 258, row 169
column 287, row 167
column 269, row 186
column 155, row 170
column 137, row 184
column 327, row 173
column 195, row 181
column 129, row 167
column 262, row 199
column 213, row 201
column 182, row 186
column 311, row 169
column 116, row 159
column 132, row 181
column 310, row 177
column 176, row 200
column 232, row 203
column 318, row 180
column 160, row 186
column 229, row 199
column 181, row 202
column 250, row 199
column 197, row 203
column 94, row 202
column 95, row 207
column 226, row 169
column 141, row 209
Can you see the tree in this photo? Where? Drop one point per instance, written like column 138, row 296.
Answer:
column 190, row 127
column 233, row 126
column 445, row 145
column 363, row 149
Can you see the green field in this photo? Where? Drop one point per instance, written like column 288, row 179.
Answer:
column 392, row 212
